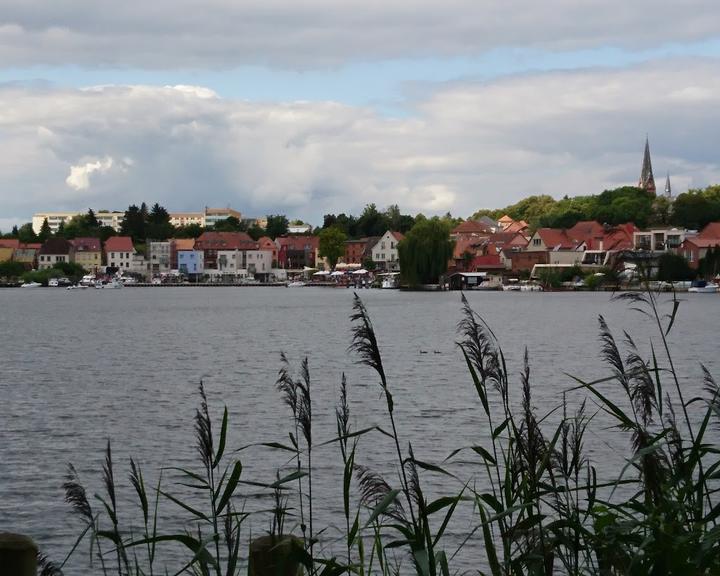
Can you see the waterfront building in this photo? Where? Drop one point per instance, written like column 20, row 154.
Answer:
column 53, row 251
column 211, row 243
column 159, row 259
column 661, row 239
column 87, row 253
column 27, row 254
column 357, row 251
column 385, row 252
column 695, row 248
column 177, row 245
column 7, row 248
column 190, row 263
column 120, row 254
column 297, row 252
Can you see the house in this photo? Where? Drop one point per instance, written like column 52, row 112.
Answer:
column 694, row 248
column 360, row 250
column 470, row 229
column 190, row 263
column 177, row 245
column 27, row 254
column 88, row 253
column 507, row 224
column 299, row 228
column 297, row 252
column 159, row 260
column 518, row 261
column 7, row 249
column 118, row 252
column 385, row 252
column 662, row 239
column 267, row 243
column 54, row 251
column 212, row 243
column 559, row 247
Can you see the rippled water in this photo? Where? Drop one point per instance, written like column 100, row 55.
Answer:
column 80, row 367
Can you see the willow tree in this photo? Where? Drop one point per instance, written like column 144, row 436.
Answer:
column 425, row 252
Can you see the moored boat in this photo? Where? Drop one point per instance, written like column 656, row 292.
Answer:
column 31, row 285
column 702, row 287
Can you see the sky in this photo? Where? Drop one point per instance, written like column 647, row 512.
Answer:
column 315, row 107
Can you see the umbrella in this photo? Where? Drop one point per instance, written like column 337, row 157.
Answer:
column 337, row 273
column 321, row 273
column 361, row 271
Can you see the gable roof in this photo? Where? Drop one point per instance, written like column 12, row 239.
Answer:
column 556, row 239
column 86, row 244
column 13, row 243
column 712, row 230
column 398, row 236
column 298, row 243
column 56, row 246
column 184, row 243
column 225, row 241
column 470, row 227
column 119, row 244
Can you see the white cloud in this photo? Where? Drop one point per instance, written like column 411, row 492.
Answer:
column 464, row 146
column 320, row 33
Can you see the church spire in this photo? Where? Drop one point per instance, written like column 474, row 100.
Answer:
column 668, row 189
column 647, row 181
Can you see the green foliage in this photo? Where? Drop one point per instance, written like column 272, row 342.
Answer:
column 134, row 222
column 332, row 245
column 157, row 224
column 425, row 252
column 189, row 231
column 709, row 266
column 230, row 224
column 74, row 272
column 696, row 208
column 256, row 232
column 11, row 270
column 45, row 231
column 277, row 225
column 26, row 234
column 672, row 267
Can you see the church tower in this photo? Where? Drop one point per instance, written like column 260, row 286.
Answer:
column 647, row 181
column 668, row 189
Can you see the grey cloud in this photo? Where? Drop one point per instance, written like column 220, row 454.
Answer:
column 465, row 146
column 318, row 33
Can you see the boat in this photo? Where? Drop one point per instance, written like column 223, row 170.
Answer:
column 88, row 280
column 53, row 283
column 295, row 284
column 31, row 285
column 113, row 284
column 389, row 280
column 526, row 286
column 513, row 285
column 702, row 287
column 77, row 287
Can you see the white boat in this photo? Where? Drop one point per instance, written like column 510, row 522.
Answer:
column 114, row 284
column 513, row 285
column 295, row 284
column 702, row 287
column 77, row 287
column 389, row 280
column 526, row 286
column 53, row 283
column 88, row 280
column 31, row 285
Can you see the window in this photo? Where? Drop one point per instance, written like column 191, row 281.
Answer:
column 127, row 254
column 382, row 245
column 537, row 241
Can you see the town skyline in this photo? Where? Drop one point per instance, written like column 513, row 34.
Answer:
column 315, row 109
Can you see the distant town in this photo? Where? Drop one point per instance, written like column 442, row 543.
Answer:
column 584, row 241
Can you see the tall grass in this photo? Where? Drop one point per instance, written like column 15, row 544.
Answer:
column 535, row 494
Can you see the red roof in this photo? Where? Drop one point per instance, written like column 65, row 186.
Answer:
column 398, row 236
column 470, row 227
column 9, row 243
column 700, row 242
column 516, row 226
column 465, row 244
column 712, row 230
column 86, row 244
column 555, row 238
column 620, row 237
column 56, row 246
column 119, row 244
column 225, row 241
column 298, row 243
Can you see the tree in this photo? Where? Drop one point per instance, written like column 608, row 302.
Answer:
column 425, row 252
column 189, row 231
column 277, row 225
column 230, row 224
column 45, row 231
column 26, row 234
column 134, row 223
column 158, row 225
column 673, row 267
column 332, row 245
column 372, row 222
column 90, row 220
column 15, row 233
column 256, row 232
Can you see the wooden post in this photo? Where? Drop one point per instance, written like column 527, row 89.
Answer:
column 275, row 556
column 18, row 555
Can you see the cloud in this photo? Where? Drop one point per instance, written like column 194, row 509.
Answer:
column 463, row 146
column 79, row 178
column 318, row 33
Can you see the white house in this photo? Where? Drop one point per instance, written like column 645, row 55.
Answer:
column 385, row 252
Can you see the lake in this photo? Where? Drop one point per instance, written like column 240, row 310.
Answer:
column 81, row 367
